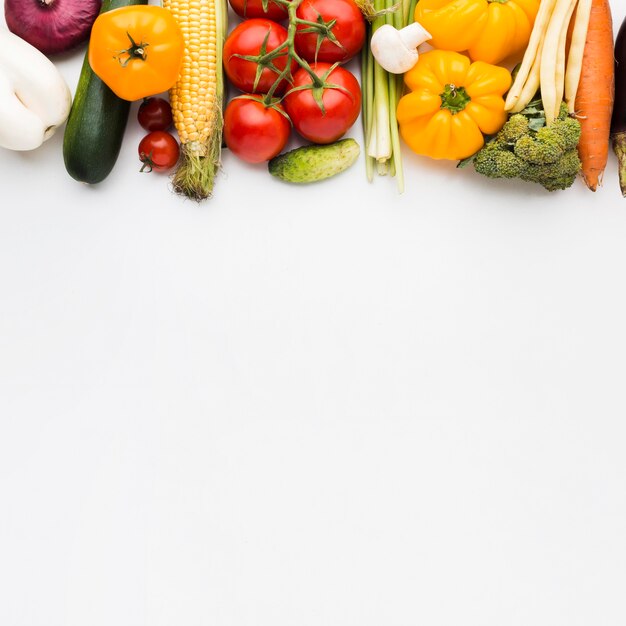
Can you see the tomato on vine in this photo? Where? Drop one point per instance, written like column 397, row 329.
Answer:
column 248, row 59
column 255, row 131
column 335, row 31
column 322, row 110
column 259, row 8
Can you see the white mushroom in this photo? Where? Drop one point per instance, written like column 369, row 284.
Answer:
column 396, row 50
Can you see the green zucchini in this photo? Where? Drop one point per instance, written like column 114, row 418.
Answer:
column 95, row 127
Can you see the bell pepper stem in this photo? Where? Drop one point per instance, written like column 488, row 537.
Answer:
column 454, row 98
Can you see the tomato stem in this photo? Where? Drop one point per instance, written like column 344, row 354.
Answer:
column 135, row 51
column 147, row 161
column 267, row 59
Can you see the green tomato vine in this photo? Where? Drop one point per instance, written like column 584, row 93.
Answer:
column 266, row 60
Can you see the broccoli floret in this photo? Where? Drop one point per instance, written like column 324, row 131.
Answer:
column 516, row 127
column 553, row 176
column 569, row 130
column 550, row 143
column 547, row 146
column 527, row 149
column 494, row 162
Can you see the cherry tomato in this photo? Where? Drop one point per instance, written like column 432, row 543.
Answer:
column 347, row 35
column 248, row 39
column 254, row 8
column 254, row 132
column 158, row 151
column 341, row 105
column 155, row 114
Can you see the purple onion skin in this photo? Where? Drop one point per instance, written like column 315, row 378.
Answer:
column 52, row 26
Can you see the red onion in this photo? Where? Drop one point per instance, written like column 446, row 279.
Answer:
column 52, row 26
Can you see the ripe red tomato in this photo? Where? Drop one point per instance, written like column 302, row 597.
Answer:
column 158, row 151
column 254, row 8
column 341, row 106
column 254, row 132
column 155, row 114
column 247, row 39
column 347, row 33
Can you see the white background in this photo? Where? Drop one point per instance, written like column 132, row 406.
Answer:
column 328, row 405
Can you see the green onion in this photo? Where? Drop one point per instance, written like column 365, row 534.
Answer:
column 381, row 94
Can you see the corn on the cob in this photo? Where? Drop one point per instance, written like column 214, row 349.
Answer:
column 196, row 98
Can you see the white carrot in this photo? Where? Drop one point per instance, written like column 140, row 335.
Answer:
column 547, row 70
column 560, row 60
column 576, row 50
column 541, row 23
column 531, row 86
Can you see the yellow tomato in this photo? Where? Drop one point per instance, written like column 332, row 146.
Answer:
column 137, row 51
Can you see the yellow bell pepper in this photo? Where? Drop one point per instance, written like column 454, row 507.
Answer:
column 452, row 104
column 489, row 30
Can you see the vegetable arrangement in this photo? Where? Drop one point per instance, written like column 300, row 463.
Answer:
column 293, row 78
column 95, row 127
column 520, row 89
column 583, row 76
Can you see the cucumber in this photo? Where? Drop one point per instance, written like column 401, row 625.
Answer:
column 95, row 127
column 308, row 164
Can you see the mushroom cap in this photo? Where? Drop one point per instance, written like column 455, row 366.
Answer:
column 396, row 50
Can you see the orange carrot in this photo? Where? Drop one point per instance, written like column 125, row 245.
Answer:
column 594, row 100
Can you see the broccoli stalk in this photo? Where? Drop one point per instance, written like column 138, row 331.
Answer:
column 528, row 149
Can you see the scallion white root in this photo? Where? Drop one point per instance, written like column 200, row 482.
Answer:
column 381, row 93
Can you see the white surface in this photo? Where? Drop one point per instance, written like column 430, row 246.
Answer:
column 320, row 406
